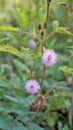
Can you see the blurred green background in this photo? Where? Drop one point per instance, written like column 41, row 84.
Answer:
column 25, row 15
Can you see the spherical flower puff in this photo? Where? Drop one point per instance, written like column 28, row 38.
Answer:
column 32, row 86
column 32, row 44
column 49, row 58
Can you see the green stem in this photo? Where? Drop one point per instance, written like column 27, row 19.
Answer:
column 48, row 10
column 42, row 45
column 43, row 76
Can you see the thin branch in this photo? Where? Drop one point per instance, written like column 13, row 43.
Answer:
column 28, row 33
column 51, row 89
column 50, row 35
column 65, row 59
column 43, row 76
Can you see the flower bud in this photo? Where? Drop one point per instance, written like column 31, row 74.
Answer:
column 42, row 33
column 54, row 87
column 70, row 80
column 48, row 1
column 55, row 24
column 45, row 25
column 32, row 44
column 33, row 103
column 38, row 96
column 39, row 26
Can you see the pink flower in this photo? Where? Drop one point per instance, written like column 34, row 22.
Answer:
column 32, row 86
column 49, row 58
column 32, row 44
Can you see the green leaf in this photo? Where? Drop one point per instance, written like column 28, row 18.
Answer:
column 4, row 39
column 66, row 69
column 71, row 51
column 24, row 52
column 36, row 55
column 51, row 121
column 63, row 30
column 16, row 100
column 4, row 84
column 24, row 18
column 9, row 49
column 18, row 126
column 35, row 127
column 67, row 103
column 20, row 65
column 5, row 122
column 62, row 3
column 13, row 99
column 9, row 28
